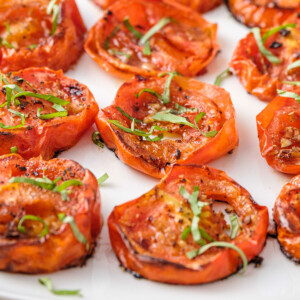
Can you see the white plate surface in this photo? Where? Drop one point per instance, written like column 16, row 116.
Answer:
column 102, row 278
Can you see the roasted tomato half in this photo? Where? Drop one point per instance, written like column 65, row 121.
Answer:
column 287, row 217
column 147, row 37
column 262, row 75
column 263, row 13
column 278, row 128
column 201, row 6
column 174, row 233
column 43, row 112
column 149, row 133
column 49, row 214
column 40, row 33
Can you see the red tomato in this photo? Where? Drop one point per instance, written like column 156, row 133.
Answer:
column 38, row 136
column 286, row 216
column 186, row 44
column 263, row 13
column 26, row 251
column 279, row 134
column 181, row 144
column 28, row 40
column 260, row 77
column 146, row 233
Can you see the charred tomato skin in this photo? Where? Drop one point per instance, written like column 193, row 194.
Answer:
column 172, row 49
column 253, row 15
column 286, row 217
column 47, row 137
column 137, row 255
column 57, row 51
column 59, row 249
column 156, row 158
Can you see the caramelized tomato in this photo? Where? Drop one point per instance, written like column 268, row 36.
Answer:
column 27, row 251
column 263, row 13
column 279, row 134
column 286, row 216
column 186, row 44
column 28, row 38
column 181, row 144
column 39, row 136
column 146, row 233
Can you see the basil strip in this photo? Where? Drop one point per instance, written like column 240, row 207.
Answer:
column 262, row 49
column 166, row 93
column 223, row 75
column 150, row 91
column 203, row 233
column 66, row 184
column 58, row 114
column 179, row 109
column 234, row 226
column 127, row 115
column 294, row 65
column 96, row 138
column 286, row 94
column 14, row 149
column 78, row 235
column 22, row 229
column 277, row 29
column 54, row 9
column 33, row 46
column 49, row 98
column 296, row 83
column 48, row 284
column 192, row 254
column 113, row 33
column 135, row 32
column 119, row 53
column 103, row 178
column 6, row 43
column 22, row 116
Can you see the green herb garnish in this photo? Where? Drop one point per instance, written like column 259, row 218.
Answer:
column 286, row 94
column 294, row 65
column 107, row 40
column 185, row 233
column 32, row 47
column 118, row 53
column 135, row 32
column 96, row 138
column 275, row 30
column 22, row 116
column 223, row 75
column 296, row 83
column 127, row 115
column 103, row 178
column 58, row 114
column 54, row 9
column 234, row 226
column 22, row 229
column 14, row 149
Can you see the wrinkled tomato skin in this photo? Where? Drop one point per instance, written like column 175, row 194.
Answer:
column 146, row 255
column 56, row 52
column 201, row 6
column 286, row 217
column 261, row 80
column 155, row 158
column 272, row 124
column 47, row 137
column 59, row 249
column 186, row 46
column 263, row 16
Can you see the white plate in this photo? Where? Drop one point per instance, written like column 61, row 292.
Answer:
column 102, row 278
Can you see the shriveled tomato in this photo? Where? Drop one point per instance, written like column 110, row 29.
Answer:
column 147, row 233
column 122, row 44
column 263, row 13
column 30, row 37
column 46, row 127
column 286, row 216
column 278, row 128
column 257, row 74
column 39, row 232
column 210, row 136
column 201, row 6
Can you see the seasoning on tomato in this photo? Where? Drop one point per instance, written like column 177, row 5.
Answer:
column 278, row 128
column 267, row 60
column 42, row 112
column 155, row 122
column 49, row 214
column 201, row 6
column 173, row 233
column 40, row 33
column 286, row 216
column 263, row 13
column 149, row 37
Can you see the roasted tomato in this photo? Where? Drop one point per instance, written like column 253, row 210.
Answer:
column 197, row 124
column 155, row 235
column 263, row 13
column 40, row 229
column 257, row 74
column 40, row 33
column 147, row 37
column 279, row 134
column 43, row 112
column 286, row 216
column 201, row 6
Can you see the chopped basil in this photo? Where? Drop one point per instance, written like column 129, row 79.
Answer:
column 262, row 49
column 113, row 33
column 58, row 114
column 7, row 27
column 223, row 75
column 234, row 226
column 102, row 179
column 118, row 53
column 78, row 235
column 289, row 95
column 48, row 284
column 294, row 65
column 166, row 93
column 6, row 44
column 54, row 9
column 22, row 116
column 192, row 254
column 150, row 91
column 96, row 138
column 296, row 83
column 135, row 32
column 204, row 234
column 22, row 229
column 127, row 115
column 33, row 46
column 14, row 149
column 275, row 30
